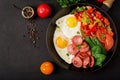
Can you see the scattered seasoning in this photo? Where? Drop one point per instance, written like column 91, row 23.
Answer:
column 17, row 7
column 32, row 31
column 78, row 46
column 67, row 54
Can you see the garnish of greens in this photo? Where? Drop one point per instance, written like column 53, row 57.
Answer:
column 78, row 32
column 78, row 9
column 98, row 51
column 78, row 46
column 66, row 3
column 67, row 54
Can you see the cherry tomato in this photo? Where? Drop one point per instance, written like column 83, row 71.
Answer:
column 100, row 0
column 44, row 10
column 47, row 67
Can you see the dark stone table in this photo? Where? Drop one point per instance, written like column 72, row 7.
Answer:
column 19, row 60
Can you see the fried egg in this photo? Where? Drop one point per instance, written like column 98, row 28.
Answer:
column 69, row 25
column 61, row 42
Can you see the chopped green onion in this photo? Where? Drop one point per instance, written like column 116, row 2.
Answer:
column 102, row 36
column 88, row 20
column 78, row 46
column 78, row 32
column 57, row 27
column 73, row 11
column 67, row 54
column 80, row 9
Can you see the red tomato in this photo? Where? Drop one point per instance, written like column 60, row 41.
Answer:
column 43, row 10
column 109, row 42
column 110, row 32
column 100, row 0
column 98, row 34
column 106, row 38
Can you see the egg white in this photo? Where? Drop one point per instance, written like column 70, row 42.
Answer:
column 67, row 31
column 62, row 52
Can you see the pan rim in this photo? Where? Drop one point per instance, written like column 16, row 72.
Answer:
column 101, row 10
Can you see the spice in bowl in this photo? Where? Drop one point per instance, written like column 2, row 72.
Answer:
column 28, row 12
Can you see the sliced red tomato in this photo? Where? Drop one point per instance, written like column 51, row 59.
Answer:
column 110, row 32
column 99, row 36
column 103, row 30
column 109, row 42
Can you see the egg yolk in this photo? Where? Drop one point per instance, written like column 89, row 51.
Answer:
column 71, row 22
column 61, row 43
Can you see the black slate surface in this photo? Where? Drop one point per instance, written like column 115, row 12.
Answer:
column 19, row 60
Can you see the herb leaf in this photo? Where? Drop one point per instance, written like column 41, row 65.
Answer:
column 88, row 20
column 67, row 54
column 73, row 11
column 102, row 36
column 80, row 8
column 78, row 32
column 78, row 46
column 57, row 27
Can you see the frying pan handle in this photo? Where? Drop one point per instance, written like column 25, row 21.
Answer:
column 107, row 4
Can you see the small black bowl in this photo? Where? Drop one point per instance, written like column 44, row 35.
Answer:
column 50, row 44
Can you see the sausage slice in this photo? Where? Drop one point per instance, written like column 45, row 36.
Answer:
column 77, row 62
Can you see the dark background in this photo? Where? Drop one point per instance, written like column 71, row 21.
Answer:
column 19, row 60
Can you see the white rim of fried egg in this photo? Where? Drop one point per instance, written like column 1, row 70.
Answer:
column 68, row 32
column 62, row 52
